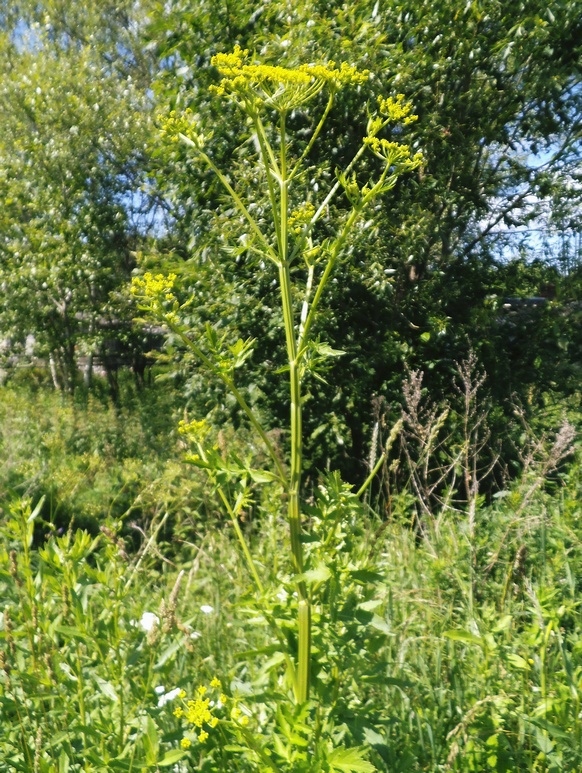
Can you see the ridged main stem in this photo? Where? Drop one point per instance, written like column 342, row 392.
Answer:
column 294, row 490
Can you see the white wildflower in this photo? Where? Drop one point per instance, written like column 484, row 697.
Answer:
column 149, row 621
column 169, row 696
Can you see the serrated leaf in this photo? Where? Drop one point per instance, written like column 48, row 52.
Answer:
column 262, row 476
column 325, row 350
column 279, row 748
column 349, row 761
column 318, row 574
column 518, row 662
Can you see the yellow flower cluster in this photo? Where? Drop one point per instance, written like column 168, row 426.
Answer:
column 237, row 716
column 347, row 74
column 228, row 63
column 153, row 286
column 199, row 712
column 394, row 153
column 396, row 109
column 281, row 87
column 197, row 430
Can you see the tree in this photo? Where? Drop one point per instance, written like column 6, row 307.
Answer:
column 497, row 91
column 75, row 118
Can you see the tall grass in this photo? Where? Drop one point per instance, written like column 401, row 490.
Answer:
column 449, row 678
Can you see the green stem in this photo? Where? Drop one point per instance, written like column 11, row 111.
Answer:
column 314, row 136
column 338, row 244
column 235, row 197
column 303, row 660
column 233, row 513
column 322, row 207
column 237, row 395
column 363, row 488
column 270, row 164
column 81, row 694
column 293, row 505
column 306, row 297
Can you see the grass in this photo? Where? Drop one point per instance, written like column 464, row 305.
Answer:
column 446, row 662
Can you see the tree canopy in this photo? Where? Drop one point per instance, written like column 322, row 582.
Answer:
column 91, row 188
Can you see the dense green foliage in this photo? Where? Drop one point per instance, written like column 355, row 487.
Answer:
column 475, row 662
column 330, row 522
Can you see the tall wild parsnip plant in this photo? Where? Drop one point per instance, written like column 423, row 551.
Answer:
column 303, row 256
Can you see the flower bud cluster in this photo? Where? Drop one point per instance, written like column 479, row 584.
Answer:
column 175, row 124
column 154, row 292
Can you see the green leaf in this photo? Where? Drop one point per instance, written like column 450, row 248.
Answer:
column 369, row 606
column 349, row 761
column 167, row 654
column 365, row 575
column 64, row 762
column 318, row 574
column 262, row 476
column 373, row 738
column 518, row 662
column 175, row 755
column 151, row 742
column 543, row 741
column 380, row 625
column 464, row 636
column 107, row 689
column 539, row 722
column 36, row 510
column 503, row 624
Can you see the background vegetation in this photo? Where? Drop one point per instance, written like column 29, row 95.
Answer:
column 458, row 309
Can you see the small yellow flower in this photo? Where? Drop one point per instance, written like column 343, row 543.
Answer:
column 216, row 683
column 182, row 694
column 235, row 713
column 202, row 690
column 213, row 722
column 198, row 712
column 202, row 736
column 179, row 712
column 185, row 743
column 222, row 698
column 396, row 109
column 244, row 720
